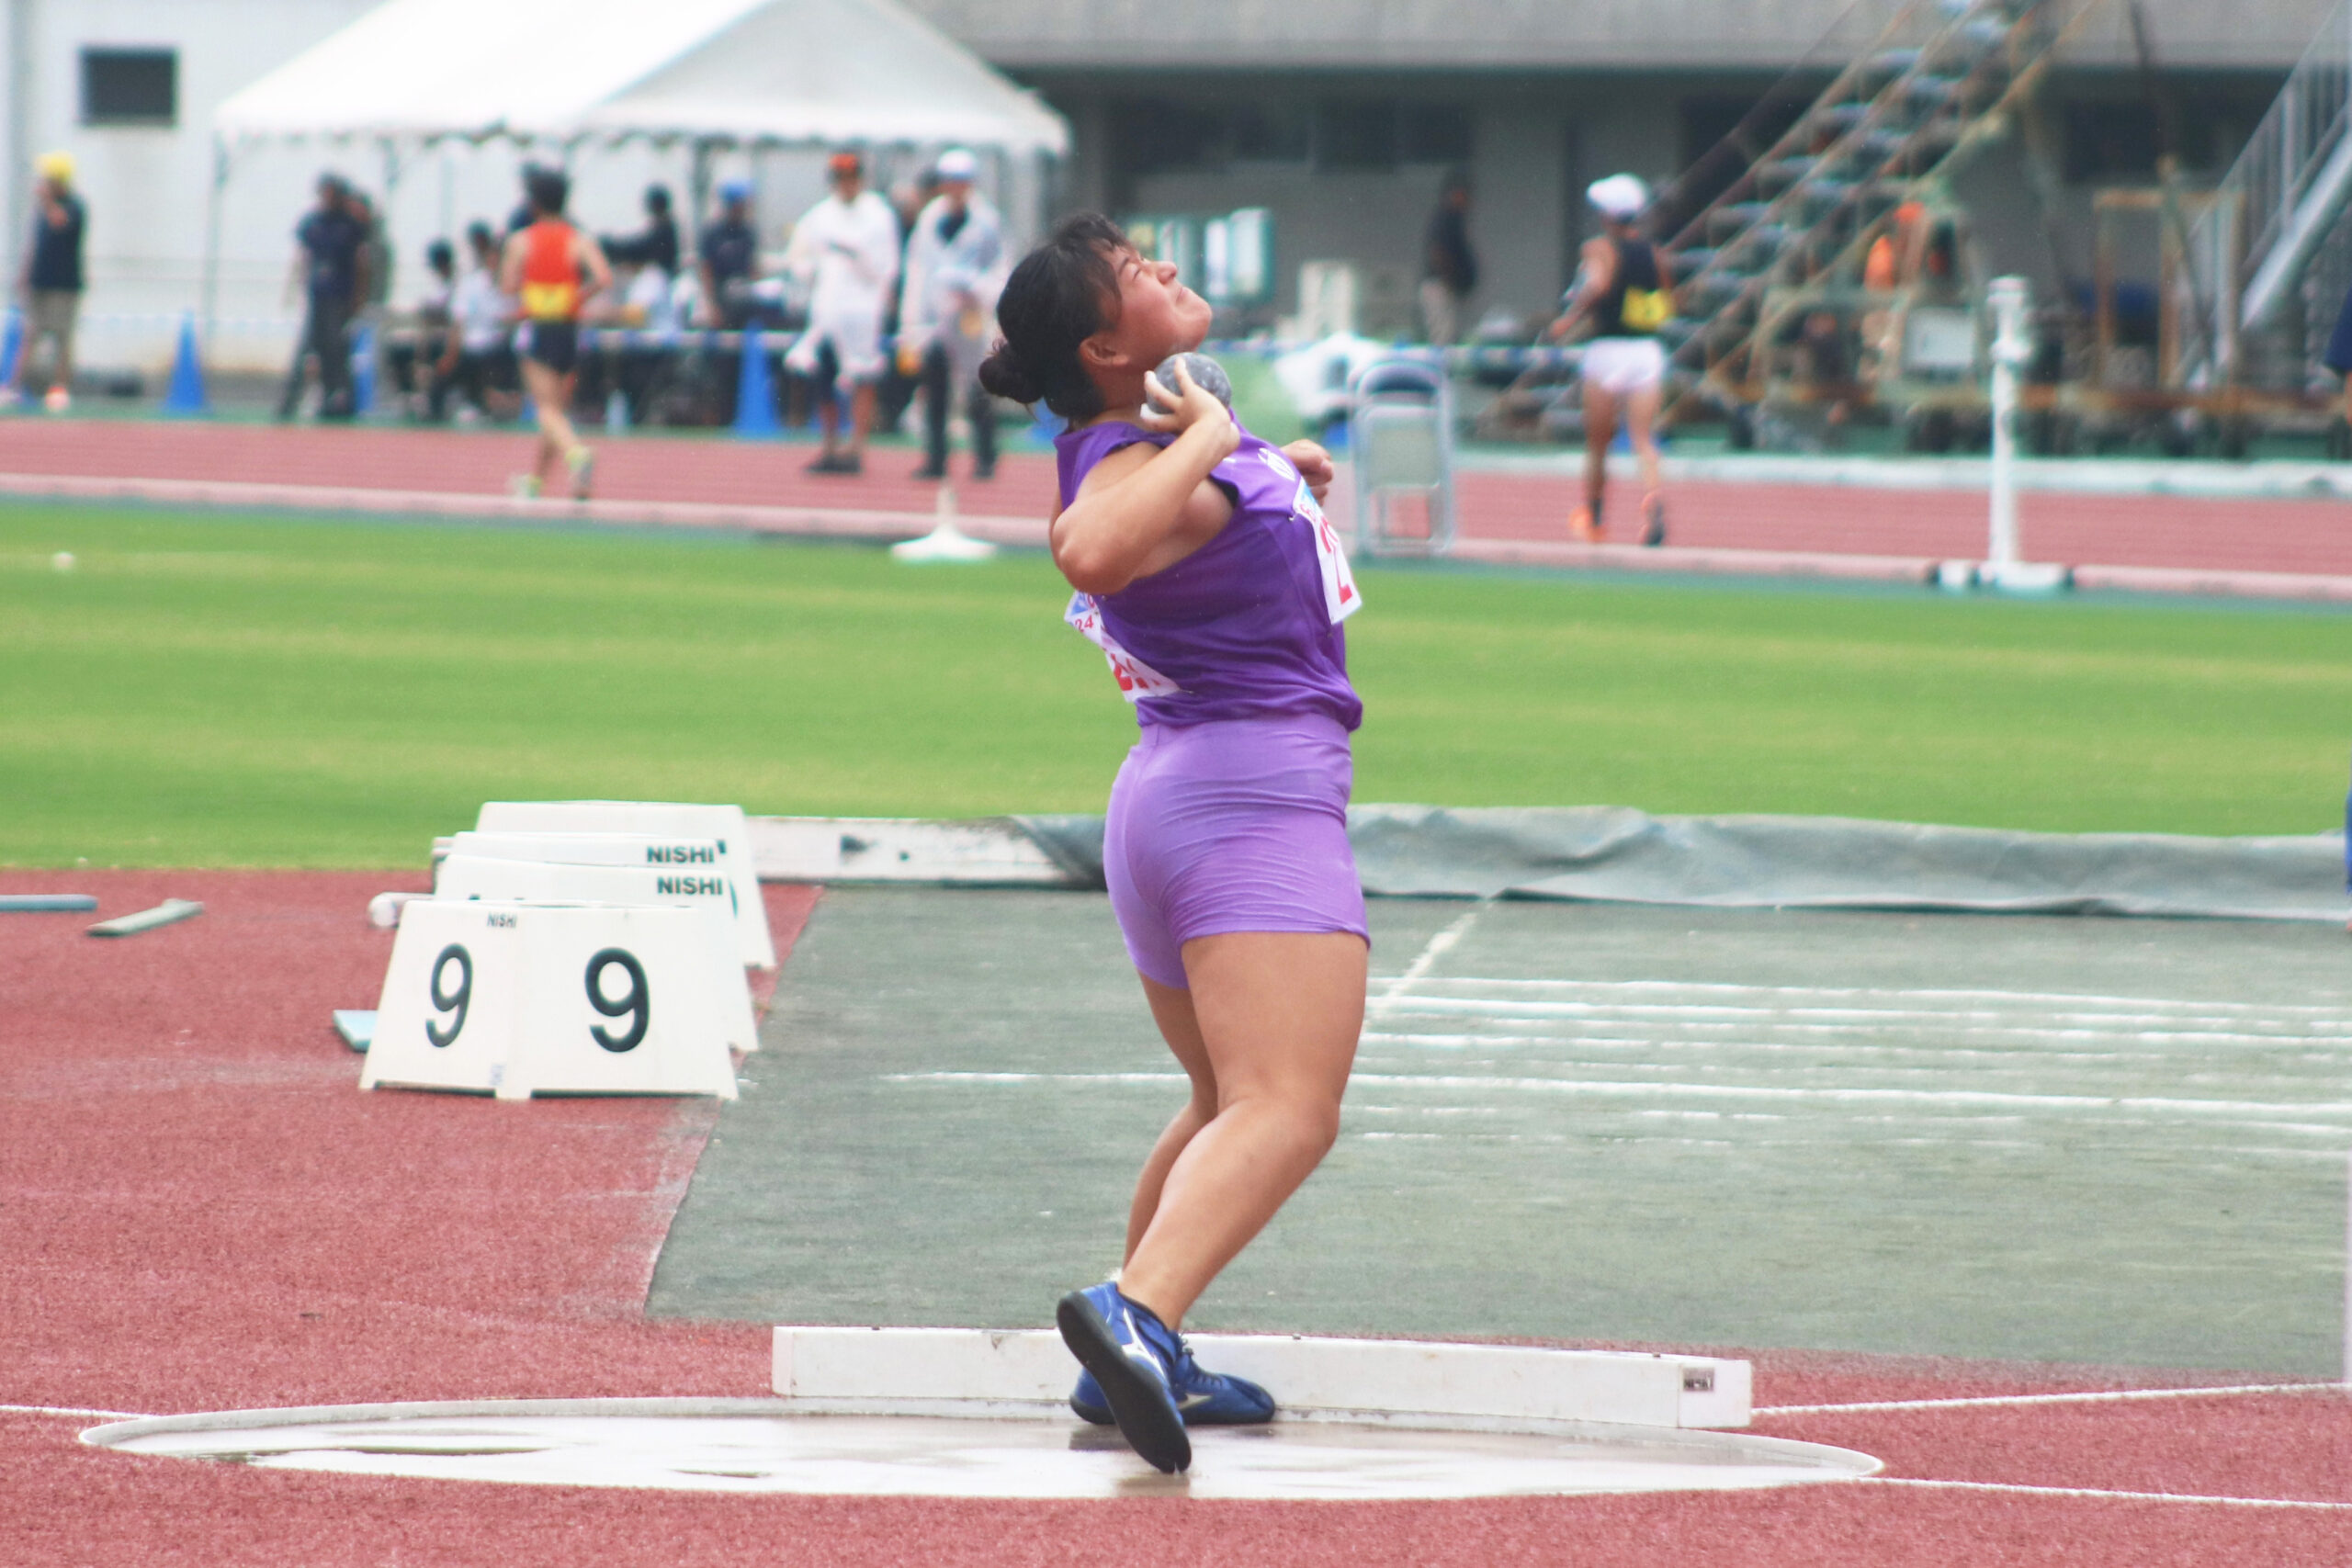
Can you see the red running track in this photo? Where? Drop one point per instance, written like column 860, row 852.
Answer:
column 2206, row 534
column 203, row 1212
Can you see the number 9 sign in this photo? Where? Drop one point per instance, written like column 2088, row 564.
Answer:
column 636, row 1004
column 516, row 998
column 455, row 1005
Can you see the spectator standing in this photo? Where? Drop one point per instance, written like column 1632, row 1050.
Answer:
column 52, row 280
column 329, row 268
column 553, row 269
column 849, row 241
column 955, row 267
column 476, row 358
column 728, row 252
column 656, row 245
column 1449, row 266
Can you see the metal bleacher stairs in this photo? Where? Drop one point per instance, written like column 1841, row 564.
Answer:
column 2272, row 255
column 1936, row 83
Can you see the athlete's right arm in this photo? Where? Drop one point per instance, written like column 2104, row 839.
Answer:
column 1143, row 509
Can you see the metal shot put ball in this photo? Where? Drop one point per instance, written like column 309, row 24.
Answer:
column 1206, row 374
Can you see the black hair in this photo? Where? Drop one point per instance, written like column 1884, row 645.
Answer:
column 1062, row 293
column 440, row 257
column 478, row 236
column 548, row 190
column 657, row 198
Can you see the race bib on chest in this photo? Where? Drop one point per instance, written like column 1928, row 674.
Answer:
column 1136, row 680
column 1341, row 599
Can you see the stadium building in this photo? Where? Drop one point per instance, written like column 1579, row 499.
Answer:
column 1344, row 115
column 1340, row 116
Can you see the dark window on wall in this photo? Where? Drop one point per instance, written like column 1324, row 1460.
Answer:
column 2111, row 142
column 1721, row 137
column 1434, row 133
column 1282, row 135
column 1356, row 135
column 130, row 86
column 1155, row 136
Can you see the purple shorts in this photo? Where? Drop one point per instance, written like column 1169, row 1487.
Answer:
column 1238, row 825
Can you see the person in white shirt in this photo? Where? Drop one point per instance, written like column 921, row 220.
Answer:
column 849, row 244
column 478, row 356
column 955, row 268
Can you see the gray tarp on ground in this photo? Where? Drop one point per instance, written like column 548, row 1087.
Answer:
column 1613, row 854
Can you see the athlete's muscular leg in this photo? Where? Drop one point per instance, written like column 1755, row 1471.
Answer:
column 1600, row 429
column 860, row 416
column 1278, row 1015
column 1641, row 428
column 1173, row 1010
column 551, row 397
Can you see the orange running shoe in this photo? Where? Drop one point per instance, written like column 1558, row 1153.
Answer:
column 1584, row 525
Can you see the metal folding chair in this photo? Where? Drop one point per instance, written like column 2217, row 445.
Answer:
column 1400, row 431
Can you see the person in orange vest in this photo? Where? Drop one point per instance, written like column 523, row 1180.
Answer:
column 551, row 269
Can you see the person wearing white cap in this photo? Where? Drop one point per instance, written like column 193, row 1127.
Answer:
column 1624, row 293
column 955, row 268
column 849, row 244
column 52, row 283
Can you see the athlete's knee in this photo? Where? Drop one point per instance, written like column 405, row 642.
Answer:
column 1309, row 1118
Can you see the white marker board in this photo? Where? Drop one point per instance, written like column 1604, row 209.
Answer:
column 723, row 824
column 676, row 860
column 519, row 999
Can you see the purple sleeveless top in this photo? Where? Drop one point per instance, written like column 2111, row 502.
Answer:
column 1245, row 626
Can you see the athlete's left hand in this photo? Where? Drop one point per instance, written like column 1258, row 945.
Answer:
column 1314, row 466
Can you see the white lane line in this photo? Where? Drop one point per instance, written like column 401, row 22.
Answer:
column 1921, row 1035
column 1032, row 1077
column 1868, row 1096
column 2088, row 1025
column 2219, row 1108
column 1436, row 948
column 1939, row 994
column 2099, row 1492
column 71, row 1410
column 2091, row 1397
column 1712, row 1037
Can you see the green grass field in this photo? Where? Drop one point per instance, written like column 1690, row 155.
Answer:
column 204, row 689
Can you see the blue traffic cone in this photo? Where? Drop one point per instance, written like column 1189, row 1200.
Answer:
column 186, row 395
column 12, row 343
column 754, row 391
column 363, row 370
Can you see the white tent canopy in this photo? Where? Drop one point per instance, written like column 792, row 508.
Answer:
column 750, row 72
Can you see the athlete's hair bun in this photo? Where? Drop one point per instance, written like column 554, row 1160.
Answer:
column 1002, row 374
column 1062, row 293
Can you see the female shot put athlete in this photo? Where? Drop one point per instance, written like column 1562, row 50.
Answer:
column 1206, row 572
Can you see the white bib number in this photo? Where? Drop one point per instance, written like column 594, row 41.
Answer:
column 1136, row 680
column 1340, row 598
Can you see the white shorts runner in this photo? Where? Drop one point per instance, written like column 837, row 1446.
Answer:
column 1620, row 366
column 856, row 342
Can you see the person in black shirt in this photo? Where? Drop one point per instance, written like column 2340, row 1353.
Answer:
column 728, row 252
column 1624, row 293
column 1449, row 266
column 52, row 280
column 330, row 265
column 656, row 245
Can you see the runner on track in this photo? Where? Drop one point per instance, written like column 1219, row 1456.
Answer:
column 1623, row 289
column 550, row 270
column 1206, row 574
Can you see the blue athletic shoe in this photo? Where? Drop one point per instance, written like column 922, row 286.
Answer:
column 1202, row 1398
column 1132, row 1355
